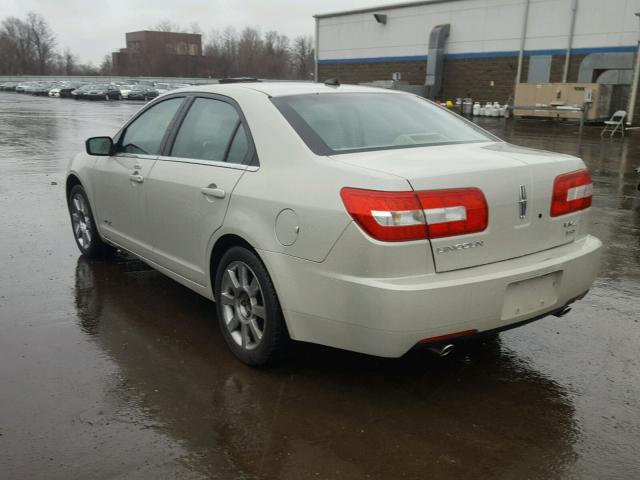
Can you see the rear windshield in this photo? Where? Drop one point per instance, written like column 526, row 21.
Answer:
column 333, row 123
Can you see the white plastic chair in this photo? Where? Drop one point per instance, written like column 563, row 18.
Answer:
column 614, row 123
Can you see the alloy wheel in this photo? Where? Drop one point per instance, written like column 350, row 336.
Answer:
column 243, row 305
column 81, row 221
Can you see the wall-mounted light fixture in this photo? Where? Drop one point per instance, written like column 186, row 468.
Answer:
column 380, row 18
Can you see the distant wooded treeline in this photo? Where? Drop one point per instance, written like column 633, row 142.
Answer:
column 28, row 47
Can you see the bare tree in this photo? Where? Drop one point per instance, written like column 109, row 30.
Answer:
column 28, row 47
column 106, row 67
column 17, row 46
column 167, row 26
column 69, row 62
column 221, row 53
column 42, row 39
column 250, row 53
column 250, row 47
column 194, row 27
column 302, row 57
column 274, row 63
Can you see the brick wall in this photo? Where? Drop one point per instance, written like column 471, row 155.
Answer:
column 462, row 77
column 636, row 109
column 483, row 79
column 412, row 72
column 574, row 67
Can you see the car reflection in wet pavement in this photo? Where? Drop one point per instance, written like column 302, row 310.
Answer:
column 110, row 369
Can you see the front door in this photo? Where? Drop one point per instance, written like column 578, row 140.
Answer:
column 189, row 190
column 120, row 180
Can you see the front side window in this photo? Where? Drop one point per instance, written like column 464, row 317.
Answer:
column 211, row 131
column 145, row 134
column 349, row 122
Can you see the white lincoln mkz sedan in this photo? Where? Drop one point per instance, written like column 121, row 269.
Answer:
column 364, row 219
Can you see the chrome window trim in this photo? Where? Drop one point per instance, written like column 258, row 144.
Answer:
column 192, row 96
column 212, row 163
column 143, row 156
column 117, row 138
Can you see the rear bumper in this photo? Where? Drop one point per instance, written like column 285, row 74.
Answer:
column 389, row 316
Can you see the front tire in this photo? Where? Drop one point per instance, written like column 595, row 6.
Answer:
column 83, row 225
column 249, row 313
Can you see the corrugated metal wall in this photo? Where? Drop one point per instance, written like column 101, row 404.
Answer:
column 479, row 28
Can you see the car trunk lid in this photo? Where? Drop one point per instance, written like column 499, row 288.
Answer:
column 517, row 183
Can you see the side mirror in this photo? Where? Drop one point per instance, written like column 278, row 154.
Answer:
column 102, row 146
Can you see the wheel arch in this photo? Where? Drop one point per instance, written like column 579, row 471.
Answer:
column 222, row 245
column 72, row 181
column 230, row 240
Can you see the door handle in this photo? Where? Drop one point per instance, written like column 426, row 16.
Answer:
column 136, row 177
column 213, row 191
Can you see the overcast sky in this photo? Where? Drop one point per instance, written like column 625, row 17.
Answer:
column 92, row 29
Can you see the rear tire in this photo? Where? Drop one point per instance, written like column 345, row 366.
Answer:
column 83, row 226
column 249, row 313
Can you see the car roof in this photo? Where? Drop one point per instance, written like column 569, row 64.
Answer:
column 279, row 89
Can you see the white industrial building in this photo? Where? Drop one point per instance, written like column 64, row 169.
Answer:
column 481, row 48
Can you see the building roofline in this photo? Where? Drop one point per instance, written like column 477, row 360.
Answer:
column 161, row 31
column 391, row 6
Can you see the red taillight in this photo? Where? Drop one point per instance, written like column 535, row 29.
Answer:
column 386, row 216
column 405, row 216
column 571, row 192
column 456, row 211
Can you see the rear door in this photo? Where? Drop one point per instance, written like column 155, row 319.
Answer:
column 190, row 186
column 120, row 180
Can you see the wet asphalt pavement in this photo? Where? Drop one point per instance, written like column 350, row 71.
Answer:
column 111, row 370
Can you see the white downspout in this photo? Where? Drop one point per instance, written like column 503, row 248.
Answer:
column 567, row 58
column 634, row 84
column 315, row 52
column 525, row 19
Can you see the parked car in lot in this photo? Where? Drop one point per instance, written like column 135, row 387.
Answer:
column 22, row 87
column 364, row 219
column 163, row 88
column 97, row 92
column 142, row 92
column 80, row 93
column 103, row 91
column 125, row 90
column 42, row 89
column 65, row 90
column 8, row 86
column 31, row 87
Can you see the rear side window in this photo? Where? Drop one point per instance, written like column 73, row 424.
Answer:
column 144, row 135
column 211, row 130
column 239, row 146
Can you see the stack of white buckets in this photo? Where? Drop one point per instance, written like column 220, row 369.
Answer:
column 490, row 110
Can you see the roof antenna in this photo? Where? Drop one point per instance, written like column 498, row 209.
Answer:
column 332, row 82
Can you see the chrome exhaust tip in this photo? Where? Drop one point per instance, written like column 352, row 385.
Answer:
column 442, row 350
column 562, row 312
